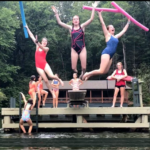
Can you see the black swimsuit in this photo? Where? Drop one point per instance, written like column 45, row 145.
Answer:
column 77, row 39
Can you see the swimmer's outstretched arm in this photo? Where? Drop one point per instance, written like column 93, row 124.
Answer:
column 124, row 30
column 105, row 31
column 69, row 27
column 23, row 97
column 83, row 25
column 30, row 34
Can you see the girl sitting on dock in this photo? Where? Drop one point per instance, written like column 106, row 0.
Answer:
column 26, row 114
column 119, row 74
column 75, row 82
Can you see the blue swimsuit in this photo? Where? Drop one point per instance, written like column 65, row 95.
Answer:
column 111, row 47
column 26, row 113
column 26, row 117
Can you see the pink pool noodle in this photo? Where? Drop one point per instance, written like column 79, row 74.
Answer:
column 102, row 9
column 130, row 17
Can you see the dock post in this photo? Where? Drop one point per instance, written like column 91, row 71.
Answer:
column 19, row 110
column 36, row 113
column 140, row 92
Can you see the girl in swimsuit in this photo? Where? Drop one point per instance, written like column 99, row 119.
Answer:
column 42, row 66
column 32, row 89
column 26, row 114
column 55, row 85
column 75, row 82
column 40, row 91
column 78, row 48
column 109, row 51
column 120, row 84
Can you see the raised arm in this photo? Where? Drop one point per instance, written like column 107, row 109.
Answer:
column 69, row 27
column 105, row 31
column 124, row 30
column 23, row 97
column 83, row 25
column 30, row 34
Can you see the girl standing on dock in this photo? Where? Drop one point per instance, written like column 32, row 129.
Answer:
column 41, row 92
column 119, row 74
column 26, row 114
column 55, row 85
column 75, row 82
column 77, row 30
column 41, row 64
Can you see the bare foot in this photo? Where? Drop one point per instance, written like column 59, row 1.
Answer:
column 85, row 76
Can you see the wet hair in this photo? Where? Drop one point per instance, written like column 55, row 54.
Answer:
column 32, row 78
column 79, row 20
column 30, row 101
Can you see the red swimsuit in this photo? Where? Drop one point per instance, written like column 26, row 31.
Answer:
column 31, row 88
column 121, row 82
column 40, row 59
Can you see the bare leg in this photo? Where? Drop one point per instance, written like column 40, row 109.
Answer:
column 39, row 96
column 122, row 90
column 54, row 100
column 115, row 96
column 51, row 75
column 21, row 126
column 43, row 75
column 57, row 94
column 33, row 97
column 105, row 60
column 83, row 56
column 108, row 67
column 74, row 59
column 45, row 97
column 30, row 125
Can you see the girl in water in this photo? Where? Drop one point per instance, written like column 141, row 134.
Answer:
column 75, row 82
column 109, row 51
column 26, row 114
column 41, row 64
column 40, row 91
column 55, row 85
column 77, row 30
column 32, row 89
column 120, row 84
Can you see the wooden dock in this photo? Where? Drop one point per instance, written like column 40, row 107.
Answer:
column 141, row 122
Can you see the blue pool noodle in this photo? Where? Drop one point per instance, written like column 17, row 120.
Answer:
column 23, row 19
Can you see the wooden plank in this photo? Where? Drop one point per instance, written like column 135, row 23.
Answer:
column 82, row 111
column 83, row 125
